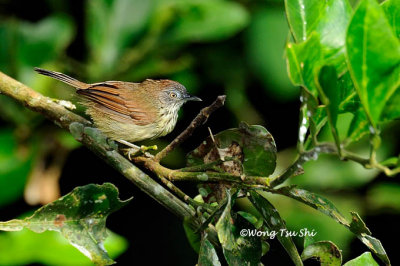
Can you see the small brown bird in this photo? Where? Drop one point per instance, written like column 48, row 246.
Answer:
column 130, row 112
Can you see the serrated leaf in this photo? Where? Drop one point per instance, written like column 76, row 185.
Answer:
column 274, row 222
column 207, row 254
column 80, row 216
column 365, row 259
column 326, row 252
column 373, row 54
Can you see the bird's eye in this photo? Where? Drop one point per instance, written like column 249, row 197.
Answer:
column 173, row 95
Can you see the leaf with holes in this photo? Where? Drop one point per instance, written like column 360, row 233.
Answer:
column 80, row 216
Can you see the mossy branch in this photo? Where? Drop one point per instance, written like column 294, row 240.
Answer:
column 95, row 141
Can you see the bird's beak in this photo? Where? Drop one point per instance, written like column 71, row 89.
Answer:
column 192, row 98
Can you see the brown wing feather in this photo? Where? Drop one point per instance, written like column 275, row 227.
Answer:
column 122, row 98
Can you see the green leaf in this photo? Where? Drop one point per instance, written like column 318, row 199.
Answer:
column 326, row 252
column 274, row 222
column 207, row 20
column 303, row 59
column 253, row 147
column 21, row 248
column 79, row 216
column 365, row 259
column 266, row 37
column 238, row 249
column 43, row 41
column 15, row 165
column 357, row 226
column 384, row 196
column 224, row 227
column 316, row 201
column 307, row 16
column 329, row 93
column 207, row 255
column 392, row 12
column 373, row 54
column 359, row 125
column 192, row 236
column 251, row 219
column 111, row 26
column 392, row 108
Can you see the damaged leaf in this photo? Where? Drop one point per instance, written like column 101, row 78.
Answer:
column 238, row 249
column 326, row 252
column 248, row 150
column 80, row 216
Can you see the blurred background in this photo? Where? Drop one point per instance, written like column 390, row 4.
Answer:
column 213, row 47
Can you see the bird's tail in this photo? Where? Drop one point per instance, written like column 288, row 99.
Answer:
column 62, row 77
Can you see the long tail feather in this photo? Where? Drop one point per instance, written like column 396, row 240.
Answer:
column 62, row 77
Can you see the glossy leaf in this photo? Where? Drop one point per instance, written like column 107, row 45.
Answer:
column 326, row 252
column 79, row 216
column 365, row 259
column 207, row 254
column 202, row 20
column 274, row 222
column 303, row 59
column 373, row 53
column 253, row 146
column 392, row 11
column 307, row 16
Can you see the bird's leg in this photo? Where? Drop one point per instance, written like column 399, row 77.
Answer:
column 134, row 149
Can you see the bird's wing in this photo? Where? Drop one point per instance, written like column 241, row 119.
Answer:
column 124, row 98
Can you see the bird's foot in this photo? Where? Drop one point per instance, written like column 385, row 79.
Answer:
column 135, row 150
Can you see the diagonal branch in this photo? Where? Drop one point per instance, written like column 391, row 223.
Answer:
column 95, row 141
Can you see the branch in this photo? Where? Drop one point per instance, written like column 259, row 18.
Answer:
column 95, row 141
column 200, row 119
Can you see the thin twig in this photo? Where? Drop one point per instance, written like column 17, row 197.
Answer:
column 200, row 119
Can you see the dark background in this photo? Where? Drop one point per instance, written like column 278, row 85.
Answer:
column 250, row 70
